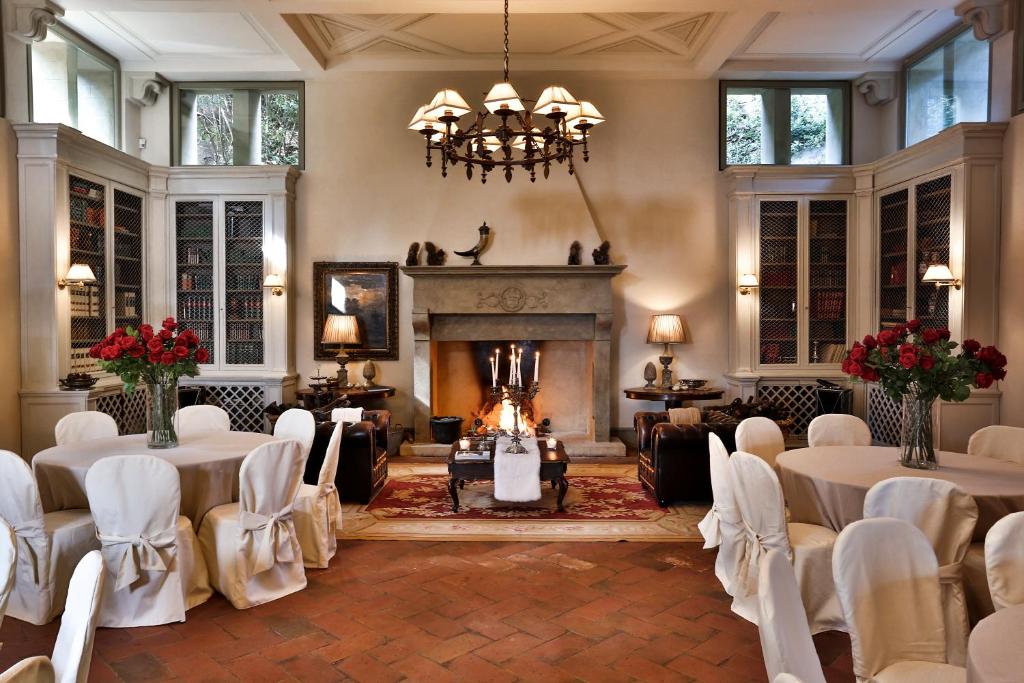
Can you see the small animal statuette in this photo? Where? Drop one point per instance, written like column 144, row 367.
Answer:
column 480, row 247
column 575, row 254
column 601, row 255
column 413, row 257
column 435, row 256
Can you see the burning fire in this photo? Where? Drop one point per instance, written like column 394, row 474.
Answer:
column 502, row 416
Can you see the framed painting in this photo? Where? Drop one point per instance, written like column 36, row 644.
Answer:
column 369, row 291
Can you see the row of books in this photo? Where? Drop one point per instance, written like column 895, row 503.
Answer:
column 828, row 305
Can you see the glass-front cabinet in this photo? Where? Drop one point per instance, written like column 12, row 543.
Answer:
column 802, row 261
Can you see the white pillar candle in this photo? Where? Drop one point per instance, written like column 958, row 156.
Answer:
column 512, row 366
column 552, row 442
column 464, row 444
column 536, row 367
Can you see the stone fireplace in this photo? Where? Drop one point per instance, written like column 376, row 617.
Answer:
column 460, row 314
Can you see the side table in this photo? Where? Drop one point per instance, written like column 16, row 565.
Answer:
column 673, row 398
column 357, row 396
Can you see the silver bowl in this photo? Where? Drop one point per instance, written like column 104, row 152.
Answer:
column 693, row 383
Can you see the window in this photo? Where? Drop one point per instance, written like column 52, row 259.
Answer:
column 771, row 122
column 946, row 85
column 235, row 124
column 74, row 83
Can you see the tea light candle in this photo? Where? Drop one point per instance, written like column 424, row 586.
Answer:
column 552, row 442
column 464, row 444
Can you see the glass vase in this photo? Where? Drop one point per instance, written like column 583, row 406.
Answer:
column 917, row 438
column 162, row 404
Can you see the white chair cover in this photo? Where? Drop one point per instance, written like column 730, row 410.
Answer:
column 787, row 678
column 1004, row 561
column 72, row 653
column 722, row 526
column 149, row 550
column 32, row 670
column 887, row 579
column 49, row 546
column 758, row 496
column 785, row 637
column 83, row 426
column 250, row 547
column 761, row 437
column 838, row 430
column 197, row 419
column 298, row 424
column 999, row 442
column 8, row 561
column 946, row 515
column 979, row 601
column 351, row 415
column 317, row 511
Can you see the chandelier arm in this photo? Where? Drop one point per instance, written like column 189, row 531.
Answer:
column 506, row 41
column 483, row 161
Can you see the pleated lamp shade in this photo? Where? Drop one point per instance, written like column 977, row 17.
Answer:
column 341, row 329
column 667, row 328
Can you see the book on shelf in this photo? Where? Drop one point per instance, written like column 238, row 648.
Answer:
column 84, row 304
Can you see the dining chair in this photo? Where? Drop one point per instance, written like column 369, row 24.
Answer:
column 759, row 500
column 36, row 669
column 298, row 424
column 838, row 430
column 154, row 565
column 946, row 515
column 1004, row 561
column 722, row 526
column 761, row 437
column 49, row 545
column 317, row 510
column 999, row 442
column 8, row 560
column 887, row 580
column 786, row 641
column 199, row 419
column 250, row 546
column 84, row 426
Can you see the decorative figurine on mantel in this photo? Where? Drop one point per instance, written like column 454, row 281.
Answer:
column 435, row 256
column 369, row 373
column 413, row 257
column 650, row 374
column 480, row 247
column 602, row 257
column 575, row 254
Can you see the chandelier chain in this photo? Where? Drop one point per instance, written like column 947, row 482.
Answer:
column 506, row 41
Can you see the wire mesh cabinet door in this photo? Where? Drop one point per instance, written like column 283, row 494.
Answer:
column 87, row 243
column 243, row 301
column 128, row 251
column 195, row 270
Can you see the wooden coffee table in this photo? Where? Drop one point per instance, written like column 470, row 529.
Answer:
column 553, row 466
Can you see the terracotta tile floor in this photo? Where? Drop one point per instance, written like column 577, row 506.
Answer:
column 430, row 611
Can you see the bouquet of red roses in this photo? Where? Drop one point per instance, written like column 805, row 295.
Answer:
column 911, row 360
column 150, row 355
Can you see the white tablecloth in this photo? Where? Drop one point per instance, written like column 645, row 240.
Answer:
column 994, row 653
column 827, row 485
column 208, row 465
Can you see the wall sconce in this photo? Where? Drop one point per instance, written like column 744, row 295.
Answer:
column 79, row 275
column 940, row 275
column 747, row 283
column 275, row 283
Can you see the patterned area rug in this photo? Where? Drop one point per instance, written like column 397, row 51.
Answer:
column 604, row 503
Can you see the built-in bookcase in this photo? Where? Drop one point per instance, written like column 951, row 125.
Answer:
column 826, row 266
column 243, row 282
column 780, row 246
column 197, row 310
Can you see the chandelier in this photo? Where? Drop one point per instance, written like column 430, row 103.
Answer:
column 517, row 140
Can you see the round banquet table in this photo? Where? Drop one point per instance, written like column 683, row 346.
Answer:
column 827, row 485
column 207, row 463
column 994, row 654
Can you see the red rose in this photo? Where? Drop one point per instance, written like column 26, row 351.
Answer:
column 168, row 358
column 927, row 363
column 908, row 360
column 96, row 349
column 155, row 345
column 870, row 342
column 137, row 351
column 887, row 337
column 870, row 375
column 127, row 342
column 908, row 348
column 983, row 380
column 169, row 324
column 858, row 353
column 118, row 333
column 999, row 373
column 930, row 336
column 971, row 346
column 165, row 334
column 945, row 333
column 913, row 325
column 856, row 369
column 111, row 353
column 155, row 357
column 846, row 365
column 991, row 357
column 202, row 355
column 180, row 351
column 146, row 330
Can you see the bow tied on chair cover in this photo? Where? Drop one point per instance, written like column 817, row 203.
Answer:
column 711, row 527
column 273, row 544
column 757, row 546
column 27, row 531
column 138, row 553
column 329, row 491
column 951, row 573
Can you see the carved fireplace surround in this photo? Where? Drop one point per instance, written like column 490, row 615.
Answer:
column 537, row 303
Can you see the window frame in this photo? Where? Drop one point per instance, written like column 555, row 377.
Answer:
column 217, row 86
column 93, row 50
column 844, row 86
column 917, row 57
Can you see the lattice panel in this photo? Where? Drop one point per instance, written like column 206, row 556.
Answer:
column 931, row 305
column 892, row 272
column 799, row 399
column 128, row 279
column 885, row 417
column 194, row 237
column 243, row 282
column 129, row 411
column 244, row 403
column 88, row 245
column 778, row 291
column 827, row 281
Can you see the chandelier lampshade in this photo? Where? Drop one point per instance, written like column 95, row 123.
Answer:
column 517, row 141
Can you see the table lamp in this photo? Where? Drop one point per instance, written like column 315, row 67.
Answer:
column 341, row 330
column 667, row 329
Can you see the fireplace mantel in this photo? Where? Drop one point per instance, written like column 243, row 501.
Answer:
column 488, row 302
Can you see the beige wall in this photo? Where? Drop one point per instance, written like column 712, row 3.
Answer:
column 10, row 356
column 652, row 189
column 1011, row 300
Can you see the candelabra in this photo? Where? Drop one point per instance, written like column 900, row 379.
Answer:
column 516, row 394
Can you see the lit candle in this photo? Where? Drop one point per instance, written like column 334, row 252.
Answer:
column 512, row 366
column 494, row 368
column 552, row 442
column 464, row 444
column 536, row 367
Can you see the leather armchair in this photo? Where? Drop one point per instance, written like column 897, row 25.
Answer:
column 363, row 463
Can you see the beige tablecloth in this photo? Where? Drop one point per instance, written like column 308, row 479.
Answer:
column 827, row 485
column 208, row 465
column 994, row 653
